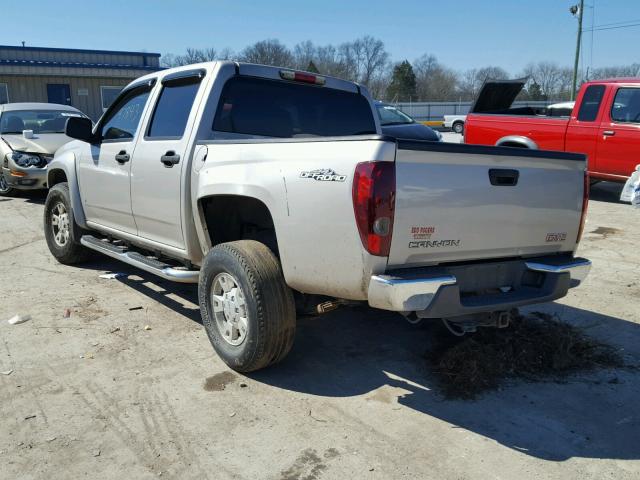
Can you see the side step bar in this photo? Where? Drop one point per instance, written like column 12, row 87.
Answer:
column 138, row 260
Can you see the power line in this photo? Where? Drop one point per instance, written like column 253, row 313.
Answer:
column 617, row 23
column 596, row 29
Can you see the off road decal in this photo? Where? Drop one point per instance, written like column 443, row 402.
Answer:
column 324, row 175
column 422, row 233
column 434, row 243
column 556, row 237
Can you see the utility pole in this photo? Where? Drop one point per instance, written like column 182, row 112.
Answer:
column 577, row 10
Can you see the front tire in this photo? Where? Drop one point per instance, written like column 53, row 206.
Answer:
column 247, row 309
column 60, row 229
column 5, row 189
column 458, row 127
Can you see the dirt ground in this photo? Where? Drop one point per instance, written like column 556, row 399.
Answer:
column 97, row 395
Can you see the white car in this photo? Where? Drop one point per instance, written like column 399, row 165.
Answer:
column 454, row 122
column 274, row 189
column 30, row 133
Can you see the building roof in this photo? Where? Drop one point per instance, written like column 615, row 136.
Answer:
column 9, row 107
column 51, row 63
column 77, row 50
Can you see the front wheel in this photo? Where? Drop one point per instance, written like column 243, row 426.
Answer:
column 458, row 127
column 60, row 229
column 5, row 189
column 247, row 309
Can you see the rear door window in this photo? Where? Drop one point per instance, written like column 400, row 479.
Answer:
column 269, row 108
column 172, row 109
column 626, row 106
column 591, row 103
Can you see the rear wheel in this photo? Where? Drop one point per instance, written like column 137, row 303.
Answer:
column 60, row 229
column 458, row 127
column 5, row 189
column 247, row 309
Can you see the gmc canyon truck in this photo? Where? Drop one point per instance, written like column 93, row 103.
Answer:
column 604, row 124
column 272, row 189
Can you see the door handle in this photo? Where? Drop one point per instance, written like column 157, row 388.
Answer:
column 170, row 159
column 502, row 177
column 608, row 133
column 122, row 157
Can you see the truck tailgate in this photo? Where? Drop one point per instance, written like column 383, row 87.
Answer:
column 466, row 202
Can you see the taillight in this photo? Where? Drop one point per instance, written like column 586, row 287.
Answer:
column 585, row 203
column 302, row 77
column 374, row 195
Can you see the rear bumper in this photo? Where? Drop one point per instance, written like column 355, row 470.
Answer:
column 445, row 292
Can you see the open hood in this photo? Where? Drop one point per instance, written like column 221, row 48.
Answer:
column 497, row 95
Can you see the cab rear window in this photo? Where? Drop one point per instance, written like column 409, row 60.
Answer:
column 252, row 106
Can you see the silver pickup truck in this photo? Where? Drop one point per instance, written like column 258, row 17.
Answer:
column 273, row 189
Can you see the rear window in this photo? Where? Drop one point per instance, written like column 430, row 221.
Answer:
column 591, row 103
column 269, row 108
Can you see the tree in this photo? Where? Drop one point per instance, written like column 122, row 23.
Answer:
column 268, row 52
column 472, row 80
column 312, row 67
column 534, row 92
column 403, row 83
column 434, row 82
column 196, row 55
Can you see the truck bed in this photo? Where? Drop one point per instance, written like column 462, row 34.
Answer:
column 486, row 129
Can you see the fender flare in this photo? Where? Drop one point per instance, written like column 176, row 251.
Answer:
column 65, row 162
column 520, row 140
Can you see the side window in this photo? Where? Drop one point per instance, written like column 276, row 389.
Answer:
column 172, row 110
column 626, row 106
column 124, row 119
column 591, row 103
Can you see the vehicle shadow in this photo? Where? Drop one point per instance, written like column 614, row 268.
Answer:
column 179, row 297
column 606, row 192
column 356, row 352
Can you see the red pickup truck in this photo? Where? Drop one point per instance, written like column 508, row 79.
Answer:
column 604, row 124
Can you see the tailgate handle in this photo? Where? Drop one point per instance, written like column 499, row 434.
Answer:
column 501, row 177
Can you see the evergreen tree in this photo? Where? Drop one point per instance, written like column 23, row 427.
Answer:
column 403, row 83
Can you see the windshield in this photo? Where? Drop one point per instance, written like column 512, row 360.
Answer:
column 40, row 121
column 392, row 116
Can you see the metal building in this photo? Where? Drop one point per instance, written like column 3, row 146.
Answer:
column 86, row 79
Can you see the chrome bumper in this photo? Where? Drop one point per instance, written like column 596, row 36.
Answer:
column 402, row 294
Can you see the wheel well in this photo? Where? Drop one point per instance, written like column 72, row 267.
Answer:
column 55, row 177
column 513, row 145
column 233, row 217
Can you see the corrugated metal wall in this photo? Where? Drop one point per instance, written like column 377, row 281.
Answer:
column 34, row 89
column 429, row 111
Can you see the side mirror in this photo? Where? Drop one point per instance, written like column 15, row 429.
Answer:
column 79, row 128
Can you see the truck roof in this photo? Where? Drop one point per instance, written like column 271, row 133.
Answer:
column 615, row 80
column 257, row 70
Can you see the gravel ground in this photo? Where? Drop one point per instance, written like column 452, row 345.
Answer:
column 128, row 385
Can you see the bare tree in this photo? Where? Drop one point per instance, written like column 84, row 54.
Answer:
column 196, row 55
column 434, row 81
column 268, row 52
column 472, row 80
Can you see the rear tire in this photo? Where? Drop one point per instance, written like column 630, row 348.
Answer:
column 458, row 127
column 247, row 309
column 60, row 229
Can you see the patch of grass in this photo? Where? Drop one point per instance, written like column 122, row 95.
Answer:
column 536, row 347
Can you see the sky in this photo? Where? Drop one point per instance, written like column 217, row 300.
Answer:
column 463, row 34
